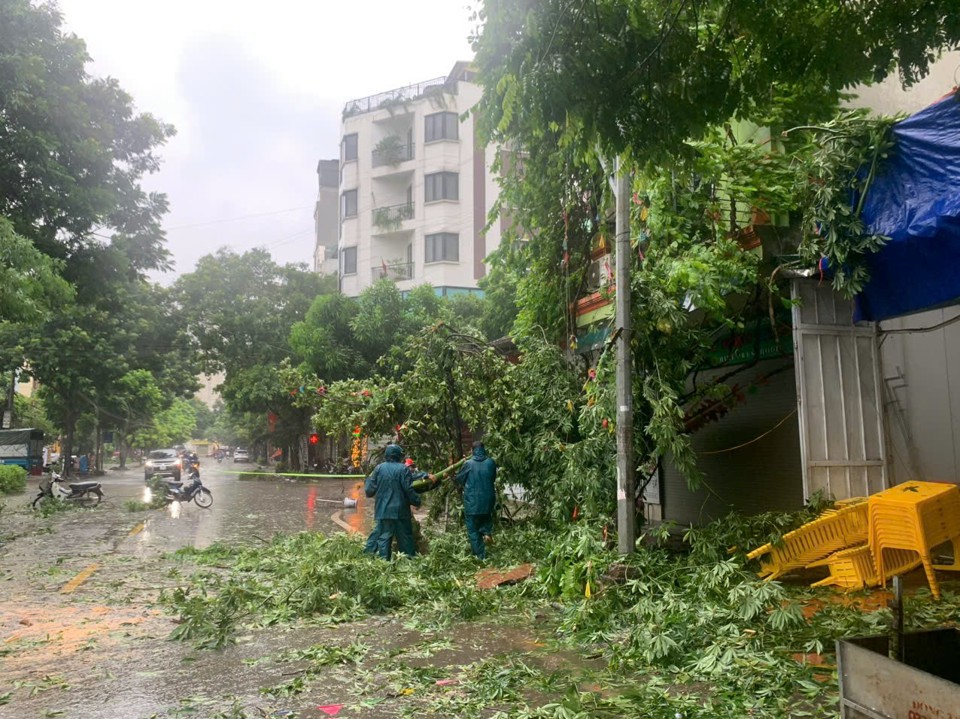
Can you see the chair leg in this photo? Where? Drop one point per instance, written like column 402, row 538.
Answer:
column 955, row 565
column 931, row 575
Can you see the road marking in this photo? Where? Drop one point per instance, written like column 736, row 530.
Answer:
column 83, row 576
column 337, row 518
column 136, row 530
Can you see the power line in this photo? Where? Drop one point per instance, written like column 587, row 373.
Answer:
column 220, row 221
column 236, row 219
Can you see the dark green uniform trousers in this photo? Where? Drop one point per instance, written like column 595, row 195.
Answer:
column 479, row 526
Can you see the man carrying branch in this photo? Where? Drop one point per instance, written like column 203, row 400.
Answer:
column 390, row 483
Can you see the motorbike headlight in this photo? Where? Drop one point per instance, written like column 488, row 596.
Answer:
column 149, row 462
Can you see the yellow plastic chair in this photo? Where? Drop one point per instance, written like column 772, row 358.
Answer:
column 914, row 516
column 841, row 528
column 855, row 568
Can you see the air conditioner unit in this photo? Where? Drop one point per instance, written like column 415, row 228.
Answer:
column 600, row 273
column 593, row 276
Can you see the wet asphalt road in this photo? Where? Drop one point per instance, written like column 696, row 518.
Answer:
column 255, row 506
column 79, row 631
column 82, row 635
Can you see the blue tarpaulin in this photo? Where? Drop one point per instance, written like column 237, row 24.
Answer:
column 915, row 201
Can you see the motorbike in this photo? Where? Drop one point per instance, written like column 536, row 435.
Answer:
column 191, row 489
column 86, row 494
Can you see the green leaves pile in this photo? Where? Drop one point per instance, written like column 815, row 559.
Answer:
column 661, row 633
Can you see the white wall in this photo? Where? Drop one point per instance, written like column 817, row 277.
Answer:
column 921, row 374
column 889, row 98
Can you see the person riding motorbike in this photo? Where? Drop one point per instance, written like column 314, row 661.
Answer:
column 191, row 463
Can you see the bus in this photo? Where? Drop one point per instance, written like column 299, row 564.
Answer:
column 23, row 447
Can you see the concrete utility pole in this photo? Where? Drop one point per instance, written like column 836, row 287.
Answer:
column 6, row 420
column 626, row 507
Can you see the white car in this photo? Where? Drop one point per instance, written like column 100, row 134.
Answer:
column 241, row 455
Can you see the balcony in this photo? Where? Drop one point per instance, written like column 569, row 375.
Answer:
column 392, row 99
column 389, row 218
column 391, row 151
column 394, row 271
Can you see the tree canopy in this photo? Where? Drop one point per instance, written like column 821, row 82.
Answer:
column 72, row 148
column 693, row 97
column 30, row 283
column 644, row 76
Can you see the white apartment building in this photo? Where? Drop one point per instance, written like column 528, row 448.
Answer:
column 415, row 188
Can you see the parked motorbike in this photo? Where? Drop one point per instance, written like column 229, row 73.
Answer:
column 190, row 489
column 86, row 494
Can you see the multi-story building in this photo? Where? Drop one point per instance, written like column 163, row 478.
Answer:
column 415, row 188
column 325, row 217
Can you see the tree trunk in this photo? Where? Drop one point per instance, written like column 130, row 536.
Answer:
column 66, row 453
column 121, row 435
column 97, row 467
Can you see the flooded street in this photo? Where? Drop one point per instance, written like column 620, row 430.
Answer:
column 81, row 634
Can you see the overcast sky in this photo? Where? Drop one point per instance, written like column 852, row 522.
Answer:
column 255, row 91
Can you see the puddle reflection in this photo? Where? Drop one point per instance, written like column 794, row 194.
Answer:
column 245, row 510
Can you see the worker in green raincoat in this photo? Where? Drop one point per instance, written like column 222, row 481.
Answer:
column 371, row 546
column 390, row 482
column 477, row 477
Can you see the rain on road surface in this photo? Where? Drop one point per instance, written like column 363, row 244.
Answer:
column 78, row 634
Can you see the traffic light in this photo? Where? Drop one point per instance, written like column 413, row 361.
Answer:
column 314, row 438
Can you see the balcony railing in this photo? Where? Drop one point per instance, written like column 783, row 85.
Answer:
column 389, row 218
column 394, row 271
column 393, row 98
column 392, row 155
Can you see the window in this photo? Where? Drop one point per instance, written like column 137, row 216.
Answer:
column 348, row 204
column 349, row 147
column 441, row 126
column 443, row 247
column 348, row 261
column 442, row 186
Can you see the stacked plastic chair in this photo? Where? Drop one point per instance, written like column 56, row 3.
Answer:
column 856, row 569
column 916, row 517
column 865, row 542
column 832, row 531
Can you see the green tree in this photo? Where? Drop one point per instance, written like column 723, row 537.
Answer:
column 69, row 356
column 239, row 310
column 72, row 148
column 30, row 412
column 134, row 402
column 568, row 85
column 30, row 284
column 324, row 339
column 174, row 425
column 206, row 418
column 644, row 77
column 73, row 152
column 239, row 307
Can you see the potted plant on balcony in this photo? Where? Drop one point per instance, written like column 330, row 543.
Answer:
column 390, row 150
column 387, row 219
